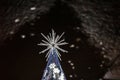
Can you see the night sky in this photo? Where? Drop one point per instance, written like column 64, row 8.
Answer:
column 20, row 58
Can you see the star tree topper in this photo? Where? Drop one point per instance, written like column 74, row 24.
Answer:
column 52, row 42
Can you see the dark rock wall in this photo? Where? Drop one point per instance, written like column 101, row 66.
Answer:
column 99, row 21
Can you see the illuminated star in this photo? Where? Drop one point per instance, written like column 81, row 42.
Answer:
column 52, row 42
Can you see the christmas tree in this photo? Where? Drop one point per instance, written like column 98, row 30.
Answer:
column 53, row 70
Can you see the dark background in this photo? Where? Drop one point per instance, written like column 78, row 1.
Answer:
column 91, row 28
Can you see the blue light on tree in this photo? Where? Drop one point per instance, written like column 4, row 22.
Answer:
column 53, row 70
